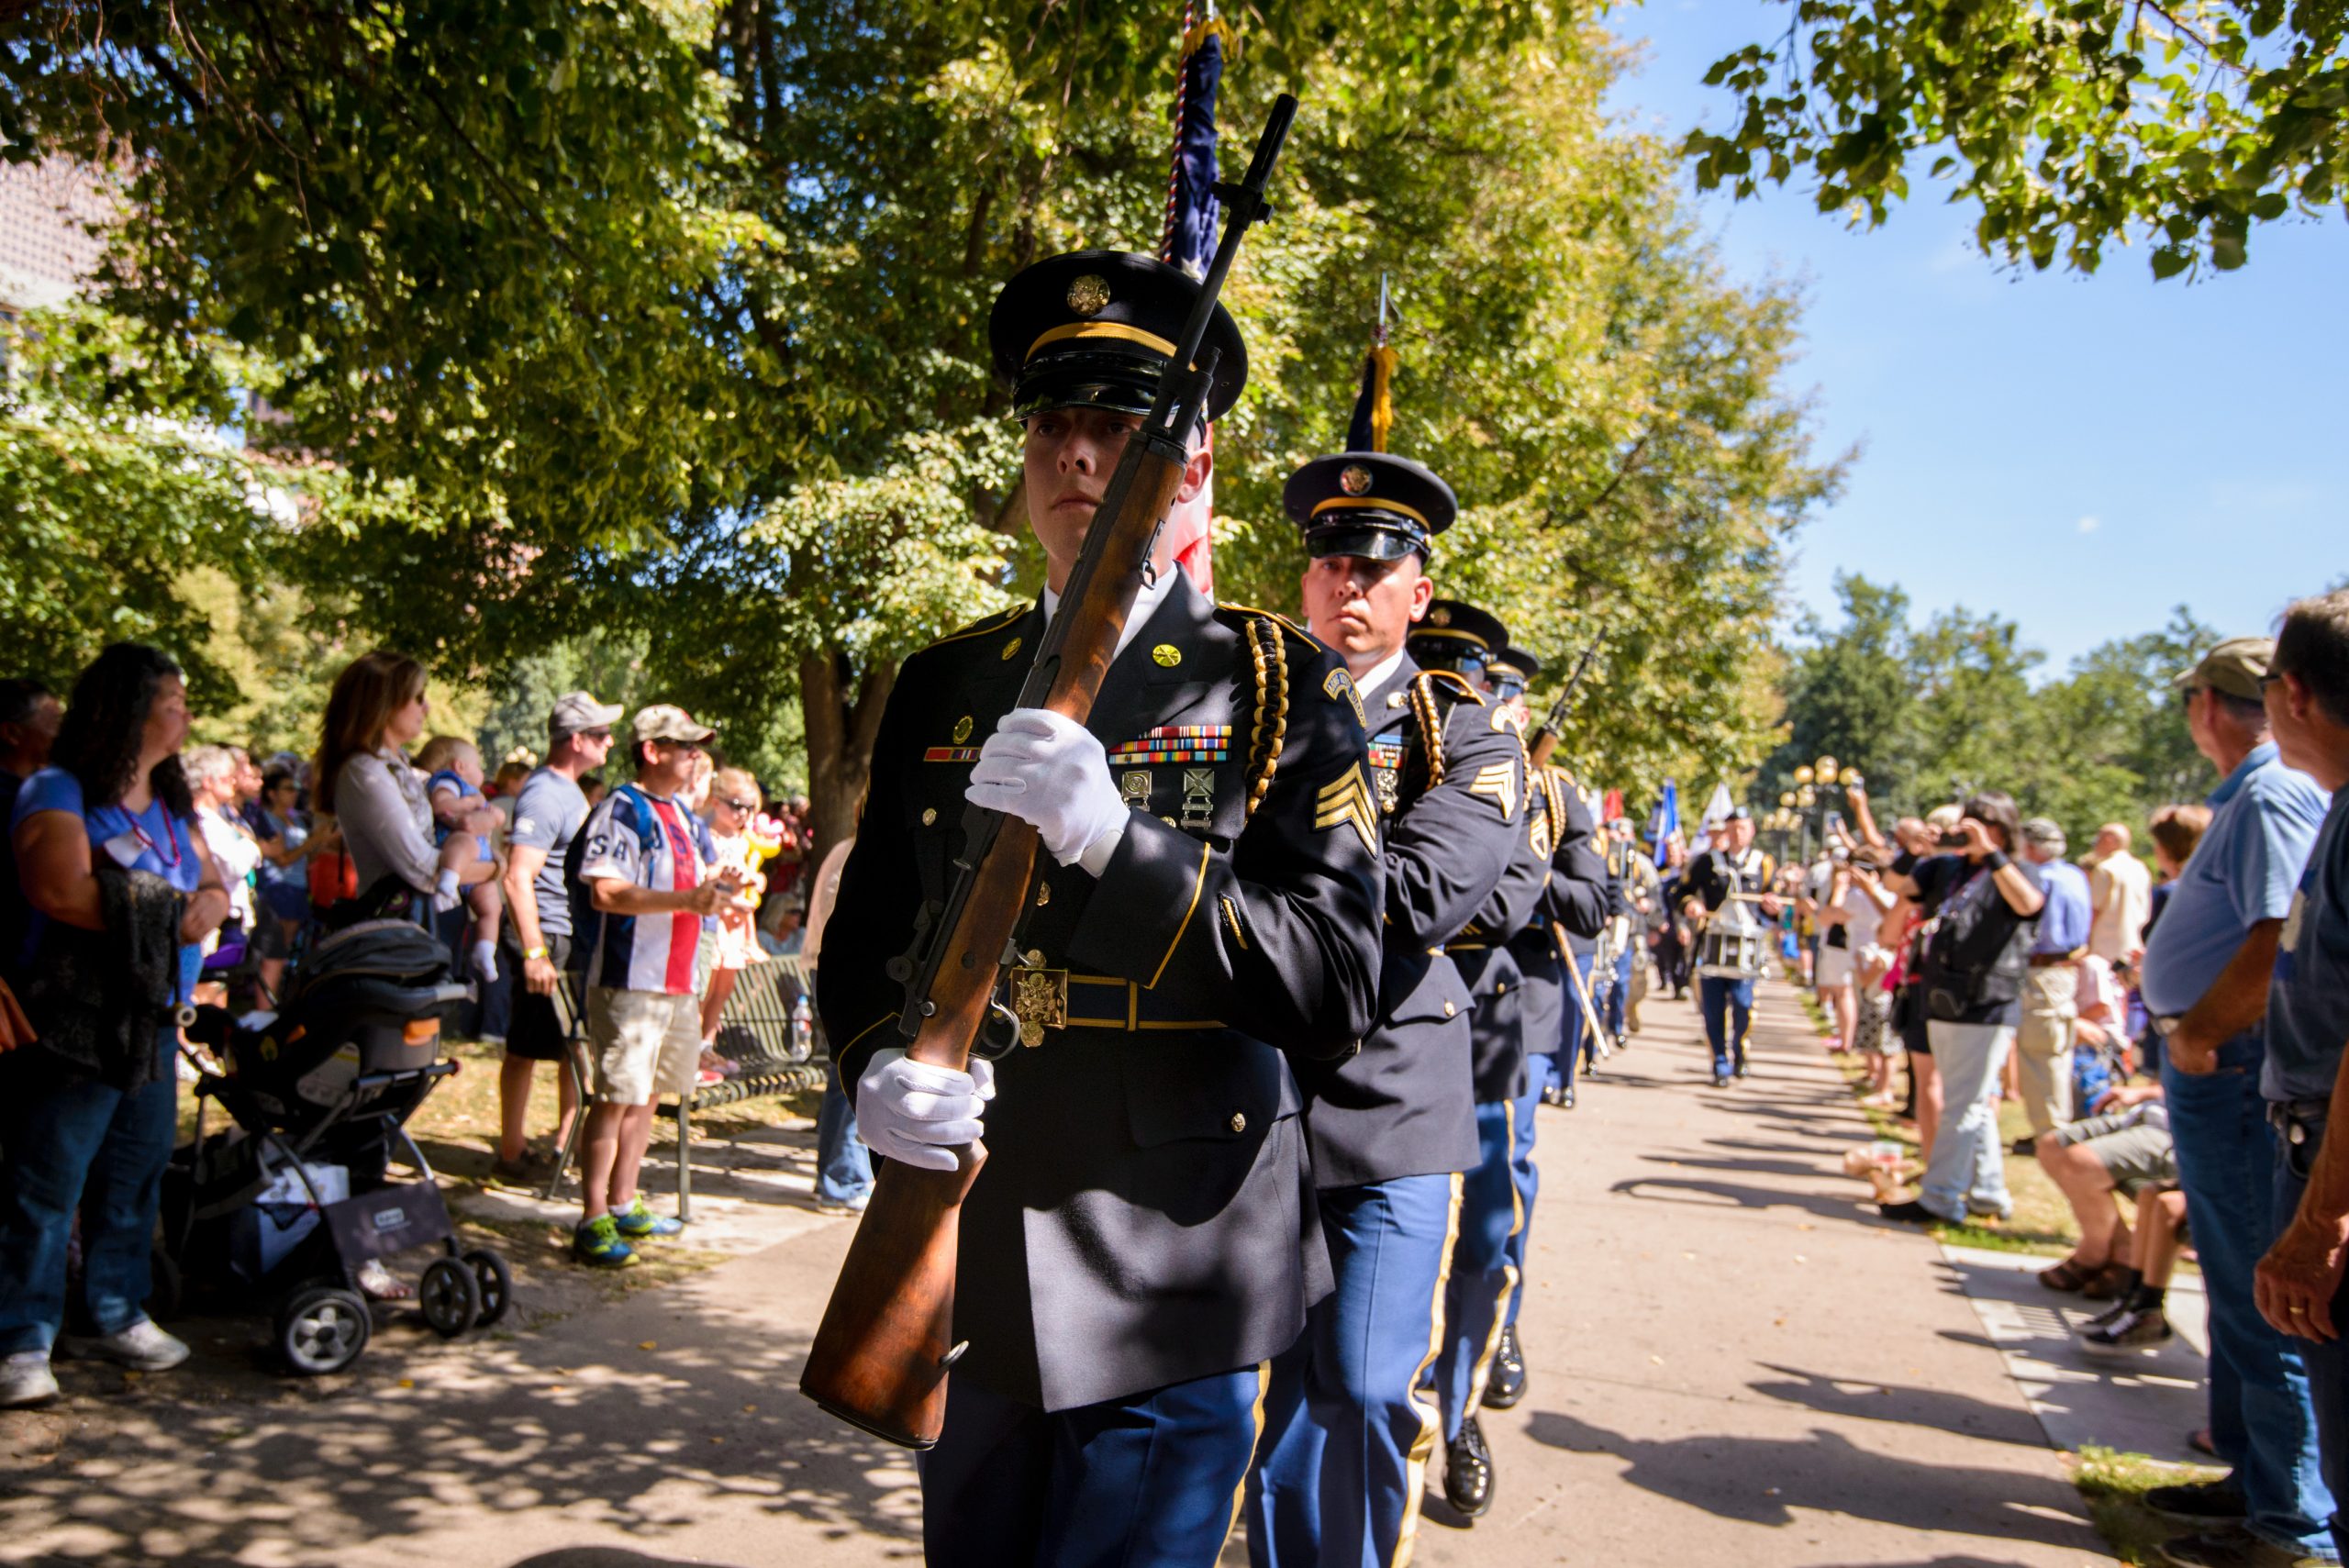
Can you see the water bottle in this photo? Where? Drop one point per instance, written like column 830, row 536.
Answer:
column 803, row 1029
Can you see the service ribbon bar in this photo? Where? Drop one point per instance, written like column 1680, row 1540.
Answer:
column 951, row 754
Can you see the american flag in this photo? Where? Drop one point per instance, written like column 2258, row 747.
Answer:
column 1189, row 243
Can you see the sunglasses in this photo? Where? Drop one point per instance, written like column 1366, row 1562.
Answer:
column 744, row 806
column 594, row 734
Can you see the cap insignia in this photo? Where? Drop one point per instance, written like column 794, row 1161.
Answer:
column 1167, row 655
column 1354, row 479
column 962, row 729
column 1089, row 294
column 1439, row 618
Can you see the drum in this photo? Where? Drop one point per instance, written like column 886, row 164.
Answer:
column 1731, row 952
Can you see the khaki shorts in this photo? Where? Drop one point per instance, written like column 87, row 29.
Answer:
column 648, row 1043
column 2135, row 1157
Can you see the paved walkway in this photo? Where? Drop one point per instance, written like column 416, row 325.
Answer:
column 1733, row 1363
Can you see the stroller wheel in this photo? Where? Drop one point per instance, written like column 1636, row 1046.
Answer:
column 322, row 1329
column 496, row 1283
column 450, row 1297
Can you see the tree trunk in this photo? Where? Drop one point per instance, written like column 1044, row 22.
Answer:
column 841, row 731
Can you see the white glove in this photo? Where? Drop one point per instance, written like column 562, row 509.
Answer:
column 912, row 1112
column 1050, row 772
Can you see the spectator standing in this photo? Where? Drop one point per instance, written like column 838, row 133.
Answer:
column 2119, row 895
column 728, row 807
column 2205, row 978
column 1986, row 912
column 647, row 889
column 211, row 772
column 843, row 1166
column 2050, row 990
column 281, row 892
column 89, row 1109
column 550, row 808
column 29, row 715
column 2298, row 1284
column 376, row 708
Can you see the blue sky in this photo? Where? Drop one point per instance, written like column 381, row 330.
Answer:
column 2076, row 454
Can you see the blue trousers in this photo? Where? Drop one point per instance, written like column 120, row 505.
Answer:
column 1618, row 982
column 843, row 1166
column 1581, row 1043
column 1540, row 1071
column 69, row 1141
column 1727, row 1006
column 1482, row 1287
column 1151, row 1480
column 2327, row 1360
column 1346, row 1437
column 2262, row 1422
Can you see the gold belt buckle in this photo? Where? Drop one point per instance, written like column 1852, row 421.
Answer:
column 1039, row 1000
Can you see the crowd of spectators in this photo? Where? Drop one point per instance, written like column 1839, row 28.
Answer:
column 624, row 915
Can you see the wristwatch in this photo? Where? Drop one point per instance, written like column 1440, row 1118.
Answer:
column 539, row 951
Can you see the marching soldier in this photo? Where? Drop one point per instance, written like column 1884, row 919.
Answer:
column 1573, row 905
column 1143, row 1237
column 1720, row 893
column 1347, row 1437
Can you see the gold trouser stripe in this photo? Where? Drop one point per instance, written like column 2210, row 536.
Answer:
column 1483, row 1367
column 1197, row 883
column 1240, row 1491
column 1415, row 1473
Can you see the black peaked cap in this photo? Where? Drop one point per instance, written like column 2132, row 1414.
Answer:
column 1097, row 328
column 1374, row 505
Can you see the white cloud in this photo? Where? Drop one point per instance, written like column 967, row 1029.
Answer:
column 2088, row 525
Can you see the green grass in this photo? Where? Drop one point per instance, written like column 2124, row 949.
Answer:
column 2115, row 1485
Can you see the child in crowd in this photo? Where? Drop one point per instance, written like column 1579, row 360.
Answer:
column 458, row 804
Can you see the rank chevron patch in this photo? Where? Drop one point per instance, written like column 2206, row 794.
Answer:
column 1346, row 799
column 1499, row 781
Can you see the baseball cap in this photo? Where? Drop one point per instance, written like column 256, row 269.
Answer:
column 2233, row 667
column 575, row 711
column 667, row 721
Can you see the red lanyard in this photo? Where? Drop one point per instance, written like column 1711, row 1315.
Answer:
column 139, row 833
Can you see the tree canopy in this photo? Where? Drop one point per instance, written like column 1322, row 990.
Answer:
column 2071, row 124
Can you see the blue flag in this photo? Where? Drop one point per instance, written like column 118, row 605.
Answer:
column 1664, row 821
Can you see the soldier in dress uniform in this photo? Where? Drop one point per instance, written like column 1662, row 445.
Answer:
column 1347, row 1437
column 1584, row 1024
column 1725, row 885
column 1143, row 1237
column 1484, row 1280
column 1572, row 906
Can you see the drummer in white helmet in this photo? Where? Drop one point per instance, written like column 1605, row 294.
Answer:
column 1727, row 894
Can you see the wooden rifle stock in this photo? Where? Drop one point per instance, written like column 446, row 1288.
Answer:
column 882, row 1351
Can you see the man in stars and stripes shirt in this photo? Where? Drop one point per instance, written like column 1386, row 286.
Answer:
column 644, row 880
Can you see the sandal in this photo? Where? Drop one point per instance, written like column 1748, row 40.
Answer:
column 2072, row 1276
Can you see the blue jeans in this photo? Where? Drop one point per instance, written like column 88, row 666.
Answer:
column 1727, row 1006
column 1967, row 1174
column 2261, row 1419
column 1346, row 1436
column 843, row 1166
column 70, row 1141
column 2327, row 1360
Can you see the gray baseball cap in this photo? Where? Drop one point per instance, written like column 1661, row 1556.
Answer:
column 575, row 711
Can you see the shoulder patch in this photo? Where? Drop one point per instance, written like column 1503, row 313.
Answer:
column 983, row 624
column 1342, row 684
column 1506, row 716
column 1498, row 781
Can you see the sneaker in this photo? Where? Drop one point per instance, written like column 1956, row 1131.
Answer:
column 25, row 1379
column 142, row 1347
column 2132, row 1328
column 598, row 1242
column 2233, row 1546
column 2198, row 1501
column 636, row 1222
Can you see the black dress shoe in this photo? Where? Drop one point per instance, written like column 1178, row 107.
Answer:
column 1743, row 1070
column 2198, row 1501
column 1506, row 1387
column 1720, row 1080
column 1469, row 1471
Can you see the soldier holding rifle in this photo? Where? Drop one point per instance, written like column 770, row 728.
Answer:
column 1141, row 1238
column 1347, row 1436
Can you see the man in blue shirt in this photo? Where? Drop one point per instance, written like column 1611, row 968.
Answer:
column 2050, row 991
column 2299, row 1283
column 2205, row 982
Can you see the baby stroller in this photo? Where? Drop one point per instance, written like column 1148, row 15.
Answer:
column 291, row 1200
